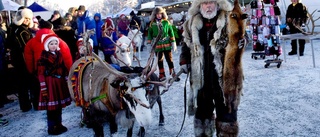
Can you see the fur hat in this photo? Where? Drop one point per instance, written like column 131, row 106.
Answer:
column 158, row 10
column 108, row 24
column 46, row 39
column 21, row 15
column 82, row 8
column 222, row 5
column 71, row 10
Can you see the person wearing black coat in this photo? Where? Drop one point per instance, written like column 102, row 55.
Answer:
column 296, row 13
column 135, row 22
column 55, row 19
column 17, row 38
column 67, row 34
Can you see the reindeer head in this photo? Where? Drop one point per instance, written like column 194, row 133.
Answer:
column 136, row 37
column 123, row 50
column 135, row 98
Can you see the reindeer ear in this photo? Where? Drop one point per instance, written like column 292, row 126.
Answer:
column 244, row 16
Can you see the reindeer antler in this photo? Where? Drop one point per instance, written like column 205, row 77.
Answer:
column 86, row 36
column 122, row 50
column 152, row 52
column 311, row 19
column 109, row 68
column 134, row 34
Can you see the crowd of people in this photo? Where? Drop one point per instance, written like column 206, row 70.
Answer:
column 38, row 54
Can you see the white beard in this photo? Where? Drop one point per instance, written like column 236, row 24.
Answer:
column 208, row 15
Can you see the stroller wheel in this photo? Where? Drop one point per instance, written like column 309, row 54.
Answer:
column 278, row 65
column 266, row 65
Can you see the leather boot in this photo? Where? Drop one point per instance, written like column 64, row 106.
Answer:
column 162, row 75
column 293, row 48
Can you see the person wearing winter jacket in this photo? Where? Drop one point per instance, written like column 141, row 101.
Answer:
column 52, row 71
column 16, row 41
column 55, row 19
column 205, row 55
column 67, row 34
column 109, row 38
column 99, row 23
column 296, row 13
column 135, row 22
column 33, row 51
column 123, row 25
column 167, row 40
column 85, row 23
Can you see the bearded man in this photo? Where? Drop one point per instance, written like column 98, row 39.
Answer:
column 205, row 40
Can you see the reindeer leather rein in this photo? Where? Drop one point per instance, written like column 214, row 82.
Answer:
column 185, row 103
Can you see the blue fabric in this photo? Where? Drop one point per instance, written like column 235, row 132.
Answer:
column 124, row 32
column 36, row 7
column 116, row 66
column 99, row 24
column 108, row 45
column 89, row 25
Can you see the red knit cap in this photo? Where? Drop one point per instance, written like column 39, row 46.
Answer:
column 47, row 38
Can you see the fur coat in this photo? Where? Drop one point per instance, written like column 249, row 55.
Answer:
column 192, row 40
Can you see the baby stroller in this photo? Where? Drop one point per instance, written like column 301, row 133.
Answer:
column 273, row 49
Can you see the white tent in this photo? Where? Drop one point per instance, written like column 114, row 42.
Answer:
column 126, row 11
column 46, row 15
column 10, row 6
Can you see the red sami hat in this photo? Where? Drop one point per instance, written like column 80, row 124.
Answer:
column 108, row 24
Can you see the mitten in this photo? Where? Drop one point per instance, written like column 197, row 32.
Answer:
column 174, row 46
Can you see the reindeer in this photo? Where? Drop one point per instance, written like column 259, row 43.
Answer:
column 109, row 92
column 123, row 59
column 112, row 93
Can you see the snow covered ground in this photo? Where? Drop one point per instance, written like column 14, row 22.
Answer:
column 276, row 102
